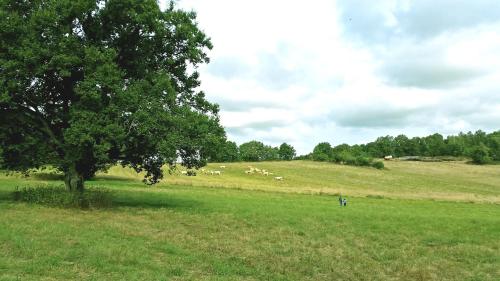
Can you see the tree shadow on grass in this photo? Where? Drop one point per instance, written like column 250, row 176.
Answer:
column 139, row 199
column 145, row 200
column 6, row 196
column 130, row 199
column 51, row 176
column 113, row 178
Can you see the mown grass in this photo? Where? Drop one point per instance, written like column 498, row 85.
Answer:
column 175, row 232
column 456, row 181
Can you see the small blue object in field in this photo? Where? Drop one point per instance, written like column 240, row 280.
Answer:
column 342, row 201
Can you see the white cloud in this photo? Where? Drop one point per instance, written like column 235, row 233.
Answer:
column 290, row 71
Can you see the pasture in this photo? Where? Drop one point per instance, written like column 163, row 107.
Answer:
column 412, row 221
column 455, row 181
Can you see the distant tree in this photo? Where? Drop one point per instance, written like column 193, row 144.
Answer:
column 358, row 150
column 270, row 153
column 402, row 146
column 435, row 145
column 322, row 152
column 227, row 152
column 480, row 154
column 454, row 146
column 286, row 152
column 304, row 157
column 494, row 145
column 252, row 151
column 339, row 152
column 480, row 137
column 383, row 146
column 413, row 147
column 87, row 84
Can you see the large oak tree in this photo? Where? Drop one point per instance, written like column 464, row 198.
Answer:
column 85, row 84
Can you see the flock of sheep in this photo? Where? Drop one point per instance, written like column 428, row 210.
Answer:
column 251, row 170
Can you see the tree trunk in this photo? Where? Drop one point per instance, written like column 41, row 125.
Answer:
column 73, row 180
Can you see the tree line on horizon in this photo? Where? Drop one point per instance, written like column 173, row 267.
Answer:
column 253, row 151
column 481, row 147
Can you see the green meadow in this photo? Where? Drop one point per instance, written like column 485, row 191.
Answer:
column 410, row 221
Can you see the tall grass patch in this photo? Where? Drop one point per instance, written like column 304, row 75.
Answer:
column 59, row 196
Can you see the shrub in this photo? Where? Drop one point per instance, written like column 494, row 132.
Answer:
column 59, row 196
column 341, row 157
column 191, row 173
column 349, row 160
column 480, row 154
column 378, row 165
column 363, row 161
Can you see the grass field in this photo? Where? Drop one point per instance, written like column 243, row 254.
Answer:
column 454, row 181
column 412, row 221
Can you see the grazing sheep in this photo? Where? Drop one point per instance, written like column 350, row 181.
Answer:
column 222, row 167
column 278, row 178
column 184, row 172
column 389, row 157
column 265, row 173
column 218, row 173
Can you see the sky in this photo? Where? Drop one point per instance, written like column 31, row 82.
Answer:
column 348, row 71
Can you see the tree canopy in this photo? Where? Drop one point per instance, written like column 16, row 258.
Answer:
column 481, row 147
column 252, row 151
column 227, row 152
column 85, row 84
column 258, row 151
column 322, row 152
column 286, row 151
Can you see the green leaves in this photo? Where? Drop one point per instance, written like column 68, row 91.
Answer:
column 322, row 152
column 286, row 151
column 89, row 84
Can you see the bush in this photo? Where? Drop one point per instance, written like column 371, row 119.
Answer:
column 363, row 161
column 480, row 154
column 378, row 165
column 59, row 196
column 341, row 157
column 349, row 160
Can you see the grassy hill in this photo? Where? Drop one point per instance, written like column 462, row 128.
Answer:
column 182, row 230
column 456, row 181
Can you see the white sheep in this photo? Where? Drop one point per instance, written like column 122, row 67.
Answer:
column 278, row 178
